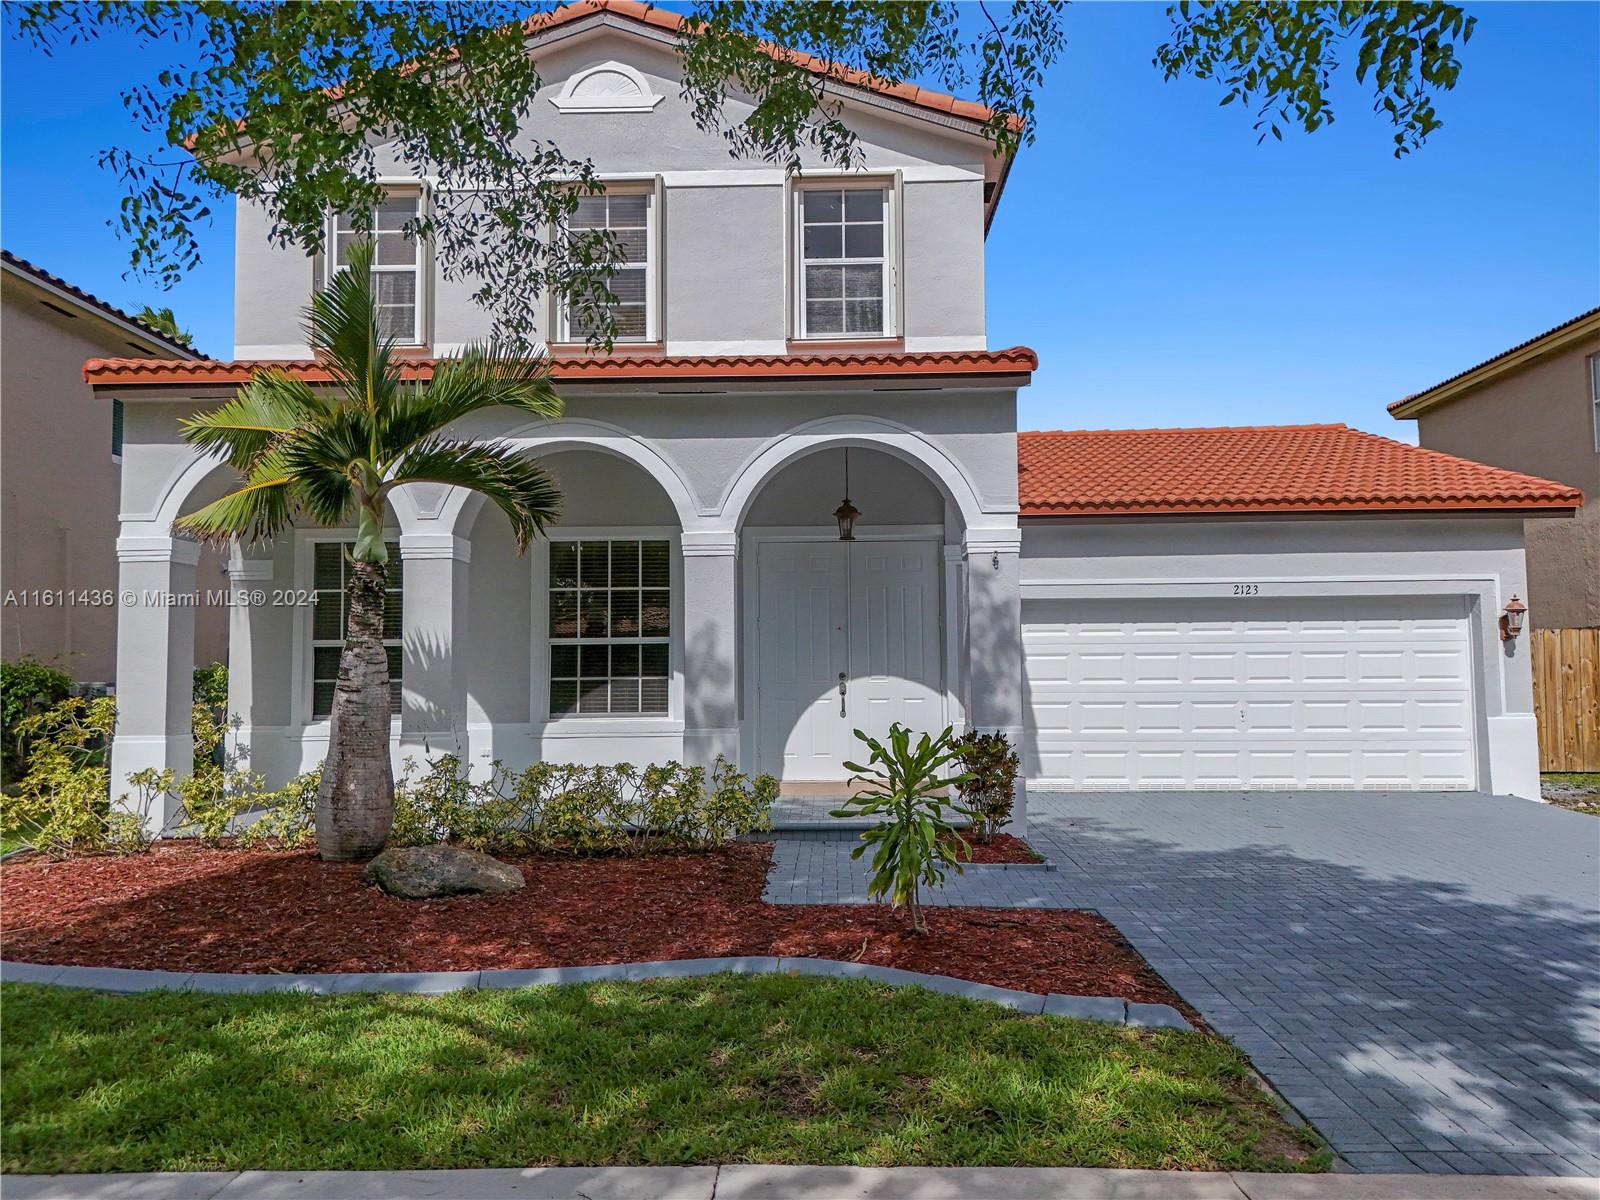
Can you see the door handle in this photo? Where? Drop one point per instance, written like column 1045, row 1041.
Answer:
column 841, row 693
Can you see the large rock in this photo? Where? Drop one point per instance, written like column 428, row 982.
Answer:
column 422, row 872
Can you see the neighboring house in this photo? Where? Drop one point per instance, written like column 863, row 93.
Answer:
column 1305, row 607
column 1534, row 408
column 60, row 459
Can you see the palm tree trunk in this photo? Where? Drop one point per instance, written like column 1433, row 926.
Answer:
column 355, row 802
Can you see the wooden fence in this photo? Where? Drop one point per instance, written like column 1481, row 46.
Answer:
column 1566, row 697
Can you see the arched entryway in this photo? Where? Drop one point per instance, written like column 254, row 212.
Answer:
column 842, row 635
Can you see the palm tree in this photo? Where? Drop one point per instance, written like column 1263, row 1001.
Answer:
column 332, row 456
column 165, row 321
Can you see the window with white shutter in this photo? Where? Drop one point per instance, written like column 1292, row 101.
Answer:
column 330, row 621
column 610, row 626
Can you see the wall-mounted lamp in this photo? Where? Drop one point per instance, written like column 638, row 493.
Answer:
column 1511, row 619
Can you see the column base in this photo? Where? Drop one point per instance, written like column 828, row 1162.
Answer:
column 132, row 753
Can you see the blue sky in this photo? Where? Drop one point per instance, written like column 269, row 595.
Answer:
column 1168, row 270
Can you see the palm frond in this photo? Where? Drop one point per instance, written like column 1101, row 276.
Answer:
column 513, row 479
column 255, row 512
column 264, row 412
column 482, row 376
column 342, row 330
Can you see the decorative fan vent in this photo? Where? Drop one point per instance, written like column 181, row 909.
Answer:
column 611, row 87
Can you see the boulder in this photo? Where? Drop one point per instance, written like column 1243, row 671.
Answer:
column 423, row 872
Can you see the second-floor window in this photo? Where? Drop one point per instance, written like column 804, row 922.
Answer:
column 845, row 268
column 629, row 216
column 396, row 265
column 1594, row 391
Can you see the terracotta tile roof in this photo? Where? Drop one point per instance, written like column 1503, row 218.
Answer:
column 674, row 23
column 57, row 284
column 1579, row 326
column 643, row 368
column 1260, row 469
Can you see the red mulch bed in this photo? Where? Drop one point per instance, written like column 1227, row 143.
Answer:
column 1000, row 848
column 192, row 909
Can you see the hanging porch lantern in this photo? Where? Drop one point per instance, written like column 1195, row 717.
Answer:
column 846, row 513
column 1511, row 619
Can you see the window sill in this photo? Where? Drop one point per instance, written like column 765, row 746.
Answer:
column 827, row 345
column 609, row 726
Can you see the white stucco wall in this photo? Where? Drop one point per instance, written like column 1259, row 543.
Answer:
column 725, row 232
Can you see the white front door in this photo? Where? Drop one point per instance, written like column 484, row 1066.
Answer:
column 863, row 613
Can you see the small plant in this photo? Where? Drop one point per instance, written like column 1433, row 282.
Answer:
column 992, row 789
column 211, row 685
column 915, row 843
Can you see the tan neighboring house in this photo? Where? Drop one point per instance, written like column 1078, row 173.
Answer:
column 60, row 459
column 1534, row 408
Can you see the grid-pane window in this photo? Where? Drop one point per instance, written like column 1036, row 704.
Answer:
column 610, row 626
column 844, row 266
column 626, row 216
column 396, row 263
column 330, row 622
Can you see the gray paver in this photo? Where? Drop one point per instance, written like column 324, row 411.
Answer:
column 421, row 983
column 1157, row 1016
column 1415, row 971
column 545, row 976
column 690, row 968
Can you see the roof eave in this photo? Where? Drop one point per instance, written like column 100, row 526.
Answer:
column 1556, row 340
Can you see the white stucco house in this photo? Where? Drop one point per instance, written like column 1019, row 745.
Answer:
column 1301, row 607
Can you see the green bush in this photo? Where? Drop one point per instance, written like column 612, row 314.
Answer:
column 26, row 686
column 62, row 805
column 211, row 685
column 915, row 842
column 579, row 809
column 992, row 789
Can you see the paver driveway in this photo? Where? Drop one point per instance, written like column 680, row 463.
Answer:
column 1418, row 974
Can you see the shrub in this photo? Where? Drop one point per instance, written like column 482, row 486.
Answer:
column 26, row 686
column 211, row 686
column 915, row 843
column 579, row 809
column 992, row 789
column 62, row 804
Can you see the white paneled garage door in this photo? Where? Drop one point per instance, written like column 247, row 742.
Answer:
column 1252, row 693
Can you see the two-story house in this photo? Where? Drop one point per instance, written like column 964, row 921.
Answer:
column 1534, row 408
column 1304, row 607
column 60, row 460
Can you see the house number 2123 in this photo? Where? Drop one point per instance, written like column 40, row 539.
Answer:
column 1247, row 589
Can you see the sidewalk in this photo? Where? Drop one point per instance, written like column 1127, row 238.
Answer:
column 787, row 1183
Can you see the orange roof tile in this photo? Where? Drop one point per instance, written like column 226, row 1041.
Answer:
column 1260, row 469
column 641, row 368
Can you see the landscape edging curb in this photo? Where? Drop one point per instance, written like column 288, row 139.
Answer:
column 1110, row 1009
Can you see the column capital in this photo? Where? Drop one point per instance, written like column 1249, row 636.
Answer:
column 415, row 546
column 181, row 551
column 710, row 543
column 992, row 541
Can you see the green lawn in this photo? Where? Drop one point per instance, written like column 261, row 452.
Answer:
column 726, row 1069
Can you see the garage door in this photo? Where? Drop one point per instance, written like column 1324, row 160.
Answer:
column 1259, row 694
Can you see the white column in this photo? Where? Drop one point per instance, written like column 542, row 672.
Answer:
column 250, row 625
column 155, row 663
column 434, row 624
column 994, row 642
column 710, row 646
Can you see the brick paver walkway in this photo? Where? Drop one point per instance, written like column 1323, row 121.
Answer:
column 1418, row 974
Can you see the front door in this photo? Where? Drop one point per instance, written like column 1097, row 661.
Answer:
column 864, row 615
